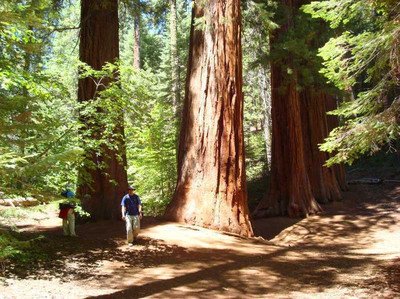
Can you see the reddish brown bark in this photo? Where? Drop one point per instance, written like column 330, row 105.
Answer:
column 211, row 187
column 103, row 179
column 290, row 187
column 324, row 182
column 299, row 125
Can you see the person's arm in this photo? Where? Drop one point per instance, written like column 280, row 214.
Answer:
column 140, row 207
column 123, row 209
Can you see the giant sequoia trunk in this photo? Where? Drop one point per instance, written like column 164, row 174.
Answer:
column 299, row 124
column 324, row 182
column 211, row 187
column 290, row 188
column 103, row 179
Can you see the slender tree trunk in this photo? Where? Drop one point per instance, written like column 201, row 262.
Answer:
column 103, row 178
column 136, row 38
column 211, row 187
column 266, row 98
column 175, row 74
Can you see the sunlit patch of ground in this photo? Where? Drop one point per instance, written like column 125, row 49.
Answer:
column 351, row 250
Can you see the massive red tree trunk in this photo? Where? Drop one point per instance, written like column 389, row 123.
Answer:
column 290, row 188
column 299, row 124
column 211, row 187
column 290, row 191
column 324, row 183
column 103, row 179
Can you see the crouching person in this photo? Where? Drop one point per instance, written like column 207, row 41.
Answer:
column 131, row 208
column 67, row 215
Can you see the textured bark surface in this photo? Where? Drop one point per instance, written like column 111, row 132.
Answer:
column 211, row 187
column 299, row 123
column 103, row 179
column 290, row 188
column 324, row 183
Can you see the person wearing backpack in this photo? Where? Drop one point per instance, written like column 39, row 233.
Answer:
column 67, row 215
column 131, row 209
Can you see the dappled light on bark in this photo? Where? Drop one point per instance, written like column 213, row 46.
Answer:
column 103, row 178
column 211, row 187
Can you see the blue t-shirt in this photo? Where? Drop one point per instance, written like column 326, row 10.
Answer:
column 131, row 204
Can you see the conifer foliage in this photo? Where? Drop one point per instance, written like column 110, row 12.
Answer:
column 363, row 62
column 92, row 95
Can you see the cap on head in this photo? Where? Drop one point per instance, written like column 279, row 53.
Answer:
column 131, row 188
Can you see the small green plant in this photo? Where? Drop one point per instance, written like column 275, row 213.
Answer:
column 13, row 247
column 13, row 213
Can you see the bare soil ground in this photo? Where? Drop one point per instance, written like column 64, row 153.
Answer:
column 351, row 250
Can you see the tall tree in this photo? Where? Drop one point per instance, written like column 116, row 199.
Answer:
column 103, row 178
column 136, row 32
column 211, row 187
column 325, row 183
column 175, row 75
column 299, row 124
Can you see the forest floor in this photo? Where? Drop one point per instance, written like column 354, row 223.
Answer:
column 351, row 250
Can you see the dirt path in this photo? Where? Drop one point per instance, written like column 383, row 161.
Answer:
column 352, row 250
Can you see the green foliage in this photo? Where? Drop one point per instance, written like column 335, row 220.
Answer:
column 362, row 61
column 152, row 156
column 42, row 140
column 257, row 98
column 152, row 132
column 35, row 124
column 15, row 247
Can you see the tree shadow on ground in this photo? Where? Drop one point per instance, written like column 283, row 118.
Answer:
column 306, row 272
column 317, row 255
column 57, row 256
column 358, row 200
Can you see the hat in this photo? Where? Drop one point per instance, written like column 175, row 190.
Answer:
column 131, row 188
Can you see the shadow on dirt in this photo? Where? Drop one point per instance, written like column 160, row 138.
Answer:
column 310, row 258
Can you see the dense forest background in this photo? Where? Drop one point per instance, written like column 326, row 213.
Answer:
column 331, row 54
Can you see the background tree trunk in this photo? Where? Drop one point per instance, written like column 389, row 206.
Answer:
column 103, row 179
column 211, row 187
column 333, row 122
column 324, row 183
column 266, row 98
column 136, row 38
column 175, row 74
column 290, row 188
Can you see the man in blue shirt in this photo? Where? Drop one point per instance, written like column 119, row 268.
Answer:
column 131, row 208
